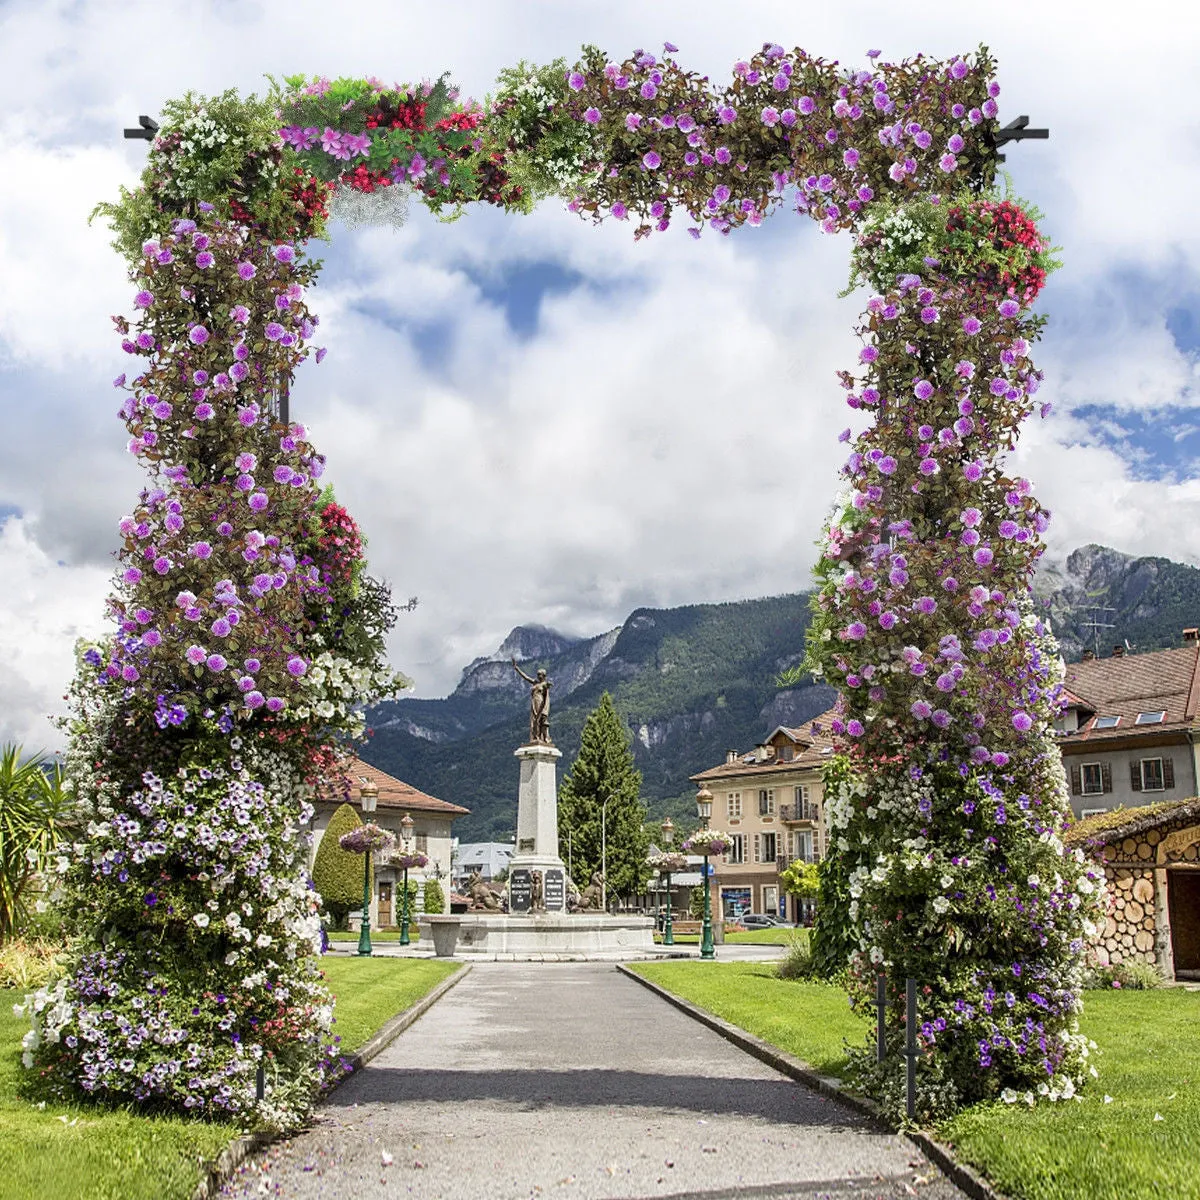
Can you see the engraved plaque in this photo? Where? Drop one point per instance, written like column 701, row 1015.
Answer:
column 520, row 891
column 555, row 897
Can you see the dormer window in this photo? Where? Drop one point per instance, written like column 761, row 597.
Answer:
column 1106, row 722
column 1151, row 718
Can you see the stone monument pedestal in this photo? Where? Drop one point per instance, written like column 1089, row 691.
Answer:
column 541, row 937
column 537, row 876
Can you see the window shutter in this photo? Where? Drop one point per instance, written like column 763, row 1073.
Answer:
column 757, row 848
column 1168, row 772
column 1105, row 777
column 1135, row 775
column 1076, row 781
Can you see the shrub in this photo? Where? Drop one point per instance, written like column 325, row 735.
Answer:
column 28, row 963
column 338, row 873
column 1137, row 975
column 797, row 963
column 435, row 899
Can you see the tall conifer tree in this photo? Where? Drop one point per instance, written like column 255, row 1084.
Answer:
column 605, row 768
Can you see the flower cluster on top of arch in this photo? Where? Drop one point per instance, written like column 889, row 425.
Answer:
column 248, row 634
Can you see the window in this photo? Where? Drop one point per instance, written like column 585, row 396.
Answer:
column 802, row 845
column 806, row 809
column 422, row 843
column 1106, row 722
column 733, row 804
column 1152, row 774
column 770, row 898
column 1091, row 779
column 1151, row 718
column 737, row 849
column 769, row 843
column 766, row 802
column 785, row 753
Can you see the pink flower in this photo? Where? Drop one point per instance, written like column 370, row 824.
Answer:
column 195, row 655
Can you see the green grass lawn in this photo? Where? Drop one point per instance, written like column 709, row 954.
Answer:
column 1149, row 1064
column 87, row 1152
column 809, row 1020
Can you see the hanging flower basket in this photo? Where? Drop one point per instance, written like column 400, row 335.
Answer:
column 708, row 841
column 365, row 838
column 409, row 862
column 668, row 862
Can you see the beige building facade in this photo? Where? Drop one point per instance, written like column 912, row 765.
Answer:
column 770, row 802
column 432, row 821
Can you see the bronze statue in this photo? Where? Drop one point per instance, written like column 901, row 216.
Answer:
column 481, row 895
column 592, row 899
column 573, row 897
column 537, row 902
column 539, row 705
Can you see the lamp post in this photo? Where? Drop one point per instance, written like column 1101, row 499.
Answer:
column 604, row 852
column 704, row 812
column 668, row 836
column 406, row 828
column 368, row 793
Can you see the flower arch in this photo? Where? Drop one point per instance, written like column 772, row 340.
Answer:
column 248, row 633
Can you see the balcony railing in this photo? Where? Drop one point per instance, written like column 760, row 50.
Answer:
column 799, row 812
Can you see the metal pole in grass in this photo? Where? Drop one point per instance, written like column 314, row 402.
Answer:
column 910, row 1047
column 260, row 1080
column 368, row 793
column 880, row 1011
column 668, row 836
column 704, row 812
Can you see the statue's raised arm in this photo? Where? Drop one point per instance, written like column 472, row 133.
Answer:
column 520, row 672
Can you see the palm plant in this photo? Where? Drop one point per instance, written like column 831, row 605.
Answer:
column 34, row 812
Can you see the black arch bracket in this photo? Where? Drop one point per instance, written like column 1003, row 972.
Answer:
column 149, row 128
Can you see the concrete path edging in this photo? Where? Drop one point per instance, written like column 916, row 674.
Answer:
column 969, row 1180
column 241, row 1148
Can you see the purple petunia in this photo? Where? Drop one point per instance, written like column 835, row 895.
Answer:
column 971, row 325
column 216, row 663
column 592, row 116
column 246, row 270
column 1022, row 721
column 196, row 655
column 651, row 160
column 144, row 299
column 576, row 81
column 284, row 254
column 275, row 704
column 198, row 335
column 204, row 259
column 258, row 501
column 296, row 666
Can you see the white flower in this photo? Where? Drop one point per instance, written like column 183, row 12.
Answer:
column 201, row 919
column 1008, row 1096
column 231, row 958
column 263, row 940
column 940, row 904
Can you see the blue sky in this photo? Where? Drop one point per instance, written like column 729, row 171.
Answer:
column 540, row 421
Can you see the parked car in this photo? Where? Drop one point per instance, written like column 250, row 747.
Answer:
column 759, row 921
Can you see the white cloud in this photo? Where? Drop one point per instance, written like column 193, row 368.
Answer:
column 44, row 607
column 668, row 433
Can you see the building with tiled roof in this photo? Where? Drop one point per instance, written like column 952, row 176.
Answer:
column 431, row 835
column 770, row 801
column 1129, row 732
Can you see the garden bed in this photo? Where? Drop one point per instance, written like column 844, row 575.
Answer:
column 96, row 1153
column 1132, row 1134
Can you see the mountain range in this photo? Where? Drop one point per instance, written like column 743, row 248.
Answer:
column 696, row 681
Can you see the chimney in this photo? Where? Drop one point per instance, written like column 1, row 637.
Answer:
column 731, row 756
column 1087, row 656
column 1118, row 652
column 1191, row 635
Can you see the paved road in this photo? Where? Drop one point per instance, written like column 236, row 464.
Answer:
column 572, row 1081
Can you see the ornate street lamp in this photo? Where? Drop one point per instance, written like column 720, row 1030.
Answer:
column 369, row 793
column 704, row 812
column 668, row 836
column 406, row 828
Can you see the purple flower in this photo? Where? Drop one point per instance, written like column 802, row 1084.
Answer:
column 926, row 605
column 200, row 550
column 204, row 259
column 855, row 728
column 929, row 314
column 195, row 655
column 619, row 211
column 928, row 466
column 576, row 81
column 162, row 564
column 806, row 104
column 887, row 465
column 254, row 699
column 921, row 709
column 1008, row 308
column 198, row 335
column 670, row 49
column 651, row 160
column 275, row 704
column 151, row 638
column 648, row 91
column 948, row 162
column 770, row 116
column 971, row 325
column 203, row 412
column 216, row 663
column 983, row 556
column 274, row 331
column 923, row 389
column 258, row 501
column 592, row 116
column 144, row 299
column 727, row 114
column 941, row 718
column 239, row 313
column 246, row 270
column 973, row 471
column 296, row 666
column 284, row 254
column 1022, row 722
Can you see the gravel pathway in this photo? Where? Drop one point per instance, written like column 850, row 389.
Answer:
column 571, row 1081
